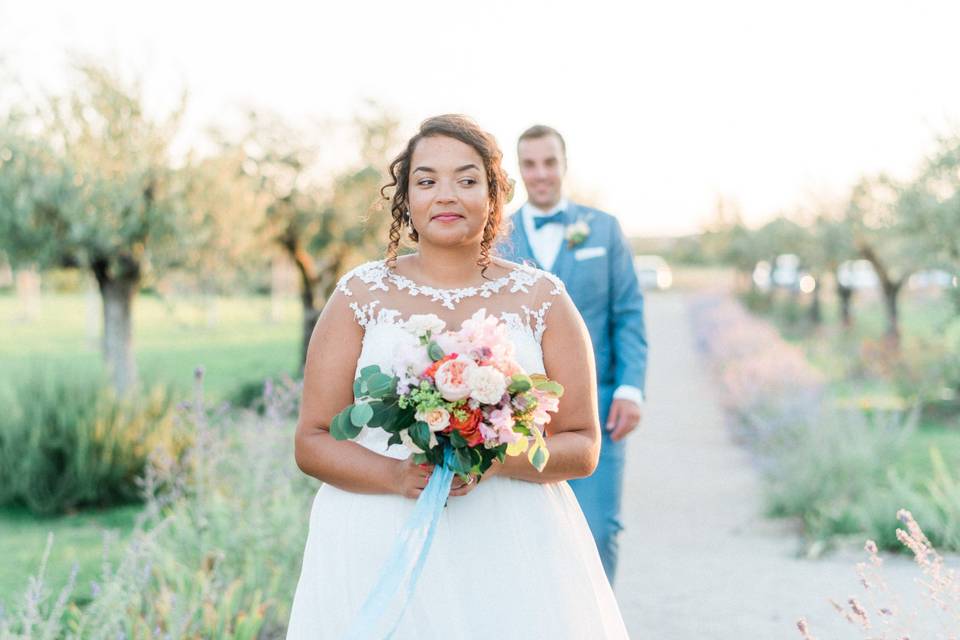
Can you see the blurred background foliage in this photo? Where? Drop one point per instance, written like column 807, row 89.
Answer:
column 130, row 260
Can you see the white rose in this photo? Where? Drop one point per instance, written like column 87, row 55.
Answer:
column 420, row 324
column 487, row 385
column 451, row 342
column 410, row 357
column 411, row 445
column 451, row 378
column 437, row 419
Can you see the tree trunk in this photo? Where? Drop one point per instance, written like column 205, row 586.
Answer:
column 816, row 313
column 317, row 281
column 310, row 312
column 845, row 296
column 891, row 293
column 314, row 296
column 891, row 290
column 117, row 293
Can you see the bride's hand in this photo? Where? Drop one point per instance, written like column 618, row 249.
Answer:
column 461, row 487
column 411, row 477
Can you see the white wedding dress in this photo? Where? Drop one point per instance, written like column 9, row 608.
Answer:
column 511, row 559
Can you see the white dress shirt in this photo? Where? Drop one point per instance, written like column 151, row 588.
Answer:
column 545, row 244
column 546, row 241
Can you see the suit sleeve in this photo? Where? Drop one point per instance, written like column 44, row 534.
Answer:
column 626, row 314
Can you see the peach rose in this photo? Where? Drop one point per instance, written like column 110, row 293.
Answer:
column 451, row 378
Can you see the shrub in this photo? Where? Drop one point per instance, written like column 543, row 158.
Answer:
column 216, row 553
column 67, row 442
column 252, row 394
column 830, row 466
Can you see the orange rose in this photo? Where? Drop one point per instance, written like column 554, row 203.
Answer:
column 431, row 371
column 469, row 428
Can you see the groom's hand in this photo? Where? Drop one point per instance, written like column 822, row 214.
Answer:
column 624, row 417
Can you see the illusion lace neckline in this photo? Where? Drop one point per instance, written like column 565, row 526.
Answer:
column 377, row 274
column 403, row 282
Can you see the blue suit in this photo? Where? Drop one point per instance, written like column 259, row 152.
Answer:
column 600, row 278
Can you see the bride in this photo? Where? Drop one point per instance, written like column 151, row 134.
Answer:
column 512, row 556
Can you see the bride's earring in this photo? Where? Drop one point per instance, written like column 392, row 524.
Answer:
column 408, row 219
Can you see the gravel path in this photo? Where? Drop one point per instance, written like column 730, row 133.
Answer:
column 698, row 558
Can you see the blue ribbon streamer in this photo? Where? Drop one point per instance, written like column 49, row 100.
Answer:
column 387, row 602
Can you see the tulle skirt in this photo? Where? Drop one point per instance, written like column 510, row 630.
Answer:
column 511, row 559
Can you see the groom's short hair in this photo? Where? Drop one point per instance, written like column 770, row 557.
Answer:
column 541, row 131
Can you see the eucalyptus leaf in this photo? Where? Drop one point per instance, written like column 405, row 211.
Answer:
column 539, row 458
column 520, row 383
column 434, row 351
column 380, row 385
column 335, row 429
column 369, row 370
column 361, row 414
column 341, row 428
column 550, row 386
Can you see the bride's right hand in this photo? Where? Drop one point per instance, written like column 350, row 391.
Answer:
column 411, row 478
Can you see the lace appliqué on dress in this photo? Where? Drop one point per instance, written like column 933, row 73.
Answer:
column 536, row 319
column 376, row 274
column 533, row 320
column 366, row 316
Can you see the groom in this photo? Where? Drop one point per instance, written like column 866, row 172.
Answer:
column 587, row 250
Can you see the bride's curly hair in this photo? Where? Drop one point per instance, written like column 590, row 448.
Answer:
column 499, row 185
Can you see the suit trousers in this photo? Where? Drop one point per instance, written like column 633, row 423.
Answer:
column 600, row 494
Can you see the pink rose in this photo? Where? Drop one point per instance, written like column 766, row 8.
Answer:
column 451, row 378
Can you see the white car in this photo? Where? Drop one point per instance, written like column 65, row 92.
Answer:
column 785, row 273
column 857, row 274
column 653, row 272
column 932, row 279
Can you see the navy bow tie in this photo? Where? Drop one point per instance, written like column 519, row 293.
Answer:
column 557, row 218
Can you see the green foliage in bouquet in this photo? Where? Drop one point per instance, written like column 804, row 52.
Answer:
column 378, row 405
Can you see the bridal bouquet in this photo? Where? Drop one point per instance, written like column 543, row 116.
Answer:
column 458, row 390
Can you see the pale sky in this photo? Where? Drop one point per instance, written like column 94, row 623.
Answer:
column 664, row 105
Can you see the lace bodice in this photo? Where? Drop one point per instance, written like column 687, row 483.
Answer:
column 383, row 300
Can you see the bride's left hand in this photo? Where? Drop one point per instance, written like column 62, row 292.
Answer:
column 460, row 487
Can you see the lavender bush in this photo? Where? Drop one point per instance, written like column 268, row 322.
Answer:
column 217, row 550
column 832, row 467
column 880, row 613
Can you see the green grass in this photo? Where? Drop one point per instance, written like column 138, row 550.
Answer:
column 77, row 539
column 170, row 340
column 915, row 464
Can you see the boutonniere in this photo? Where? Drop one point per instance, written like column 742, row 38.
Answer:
column 576, row 233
